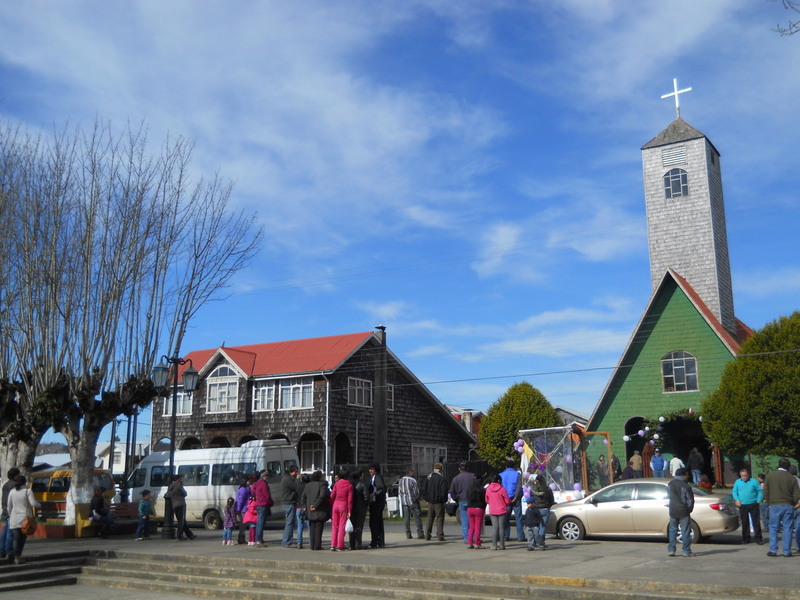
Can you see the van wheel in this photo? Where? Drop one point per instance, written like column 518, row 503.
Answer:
column 212, row 520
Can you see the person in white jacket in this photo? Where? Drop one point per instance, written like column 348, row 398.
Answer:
column 20, row 505
column 675, row 464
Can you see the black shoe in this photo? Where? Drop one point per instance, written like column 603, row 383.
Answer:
column 788, row 555
column 409, row 536
column 760, row 542
column 771, row 554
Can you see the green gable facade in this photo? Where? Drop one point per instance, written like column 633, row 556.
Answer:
column 674, row 321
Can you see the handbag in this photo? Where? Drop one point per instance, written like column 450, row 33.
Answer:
column 451, row 508
column 29, row 526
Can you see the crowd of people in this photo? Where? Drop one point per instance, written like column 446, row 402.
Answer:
column 309, row 501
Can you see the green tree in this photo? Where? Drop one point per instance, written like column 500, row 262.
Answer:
column 757, row 405
column 521, row 407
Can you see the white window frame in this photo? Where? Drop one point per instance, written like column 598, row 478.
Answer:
column 310, row 452
column 296, row 393
column 264, row 396
column 222, row 391
column 184, row 404
column 424, row 457
column 680, row 380
column 359, row 392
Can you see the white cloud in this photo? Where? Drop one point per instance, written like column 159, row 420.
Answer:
column 766, row 282
column 571, row 342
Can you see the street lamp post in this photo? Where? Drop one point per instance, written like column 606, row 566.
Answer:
column 160, row 380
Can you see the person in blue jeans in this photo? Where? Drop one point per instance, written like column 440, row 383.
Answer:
column 145, row 512
column 458, row 492
column 782, row 493
column 290, row 500
column 511, row 480
column 658, row 464
column 681, row 505
column 6, row 538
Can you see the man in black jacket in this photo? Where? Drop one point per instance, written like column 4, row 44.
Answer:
column 434, row 490
column 681, row 504
column 289, row 498
column 377, row 502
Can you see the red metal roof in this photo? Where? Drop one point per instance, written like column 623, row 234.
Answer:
column 280, row 358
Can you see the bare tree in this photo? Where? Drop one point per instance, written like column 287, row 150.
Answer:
column 113, row 251
column 793, row 26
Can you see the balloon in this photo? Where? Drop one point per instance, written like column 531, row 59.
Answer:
column 553, row 486
column 691, row 411
column 641, row 433
column 542, row 467
column 647, row 428
column 577, row 487
column 605, row 442
column 521, row 442
column 700, row 417
column 652, row 442
column 656, row 436
column 520, row 449
column 662, row 419
column 568, row 459
column 625, row 438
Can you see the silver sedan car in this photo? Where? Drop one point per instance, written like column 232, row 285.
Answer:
column 639, row 508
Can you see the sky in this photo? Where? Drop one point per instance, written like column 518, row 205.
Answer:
column 466, row 173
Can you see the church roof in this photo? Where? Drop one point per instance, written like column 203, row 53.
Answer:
column 677, row 131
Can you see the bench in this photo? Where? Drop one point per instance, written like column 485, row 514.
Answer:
column 125, row 518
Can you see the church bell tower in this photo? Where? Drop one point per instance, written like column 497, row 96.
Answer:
column 686, row 214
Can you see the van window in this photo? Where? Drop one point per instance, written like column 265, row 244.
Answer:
column 287, row 464
column 137, row 479
column 194, row 474
column 159, row 476
column 274, row 469
column 231, row 473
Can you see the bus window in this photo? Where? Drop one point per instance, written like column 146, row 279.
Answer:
column 59, row 484
column 137, row 479
column 194, row 474
column 40, row 484
column 231, row 473
column 159, row 476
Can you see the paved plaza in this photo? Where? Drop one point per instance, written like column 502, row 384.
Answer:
column 722, row 561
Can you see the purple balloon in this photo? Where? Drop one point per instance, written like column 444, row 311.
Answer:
column 577, row 487
column 641, row 432
column 652, row 442
column 605, row 441
column 553, row 487
column 568, row 459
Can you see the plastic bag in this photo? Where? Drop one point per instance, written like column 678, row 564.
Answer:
column 348, row 527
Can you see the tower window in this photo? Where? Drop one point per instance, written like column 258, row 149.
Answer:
column 679, row 372
column 675, row 184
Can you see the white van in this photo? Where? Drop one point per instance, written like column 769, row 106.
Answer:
column 212, row 475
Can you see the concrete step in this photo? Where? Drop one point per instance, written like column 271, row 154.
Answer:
column 43, row 571
column 269, row 579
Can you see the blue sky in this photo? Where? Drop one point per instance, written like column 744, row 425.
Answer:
column 466, row 173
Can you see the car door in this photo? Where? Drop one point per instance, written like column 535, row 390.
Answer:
column 650, row 509
column 610, row 511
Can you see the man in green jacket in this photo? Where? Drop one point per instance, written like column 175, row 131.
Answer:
column 782, row 494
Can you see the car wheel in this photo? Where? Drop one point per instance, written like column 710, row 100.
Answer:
column 212, row 520
column 571, row 529
column 695, row 533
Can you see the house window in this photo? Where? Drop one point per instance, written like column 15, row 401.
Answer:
column 675, row 184
column 359, row 392
column 679, row 372
column 184, row 405
column 263, row 395
column 424, row 457
column 297, row 393
column 389, row 396
column 222, row 390
column 312, row 455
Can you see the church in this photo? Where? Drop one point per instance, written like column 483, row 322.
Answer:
column 688, row 331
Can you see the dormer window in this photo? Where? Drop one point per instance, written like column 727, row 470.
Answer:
column 675, row 184
column 222, row 390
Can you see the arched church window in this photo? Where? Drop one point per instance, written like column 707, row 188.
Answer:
column 679, row 372
column 676, row 184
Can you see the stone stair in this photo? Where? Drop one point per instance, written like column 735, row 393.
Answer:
column 43, row 571
column 257, row 579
